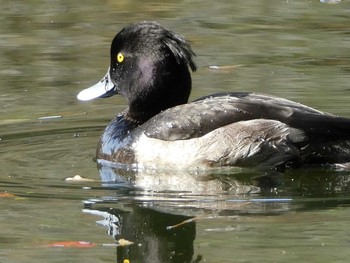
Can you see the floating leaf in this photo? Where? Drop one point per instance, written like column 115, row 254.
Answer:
column 182, row 223
column 225, row 68
column 72, row 244
column 78, row 178
column 5, row 194
column 124, row 242
column 50, row 117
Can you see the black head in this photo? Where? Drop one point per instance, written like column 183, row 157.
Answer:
column 150, row 68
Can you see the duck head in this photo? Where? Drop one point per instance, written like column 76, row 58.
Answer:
column 149, row 67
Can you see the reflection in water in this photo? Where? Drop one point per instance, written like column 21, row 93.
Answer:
column 313, row 181
column 145, row 204
column 197, row 181
column 147, row 229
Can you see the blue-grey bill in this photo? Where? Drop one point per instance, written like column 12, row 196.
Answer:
column 104, row 88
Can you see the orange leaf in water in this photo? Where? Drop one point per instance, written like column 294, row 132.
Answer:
column 5, row 194
column 72, row 244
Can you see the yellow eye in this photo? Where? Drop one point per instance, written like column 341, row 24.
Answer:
column 120, row 57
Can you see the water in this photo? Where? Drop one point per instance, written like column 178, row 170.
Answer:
column 51, row 50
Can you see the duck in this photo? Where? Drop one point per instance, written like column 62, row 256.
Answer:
column 160, row 129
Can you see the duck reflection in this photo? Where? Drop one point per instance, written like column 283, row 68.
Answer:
column 147, row 229
column 200, row 182
column 146, row 203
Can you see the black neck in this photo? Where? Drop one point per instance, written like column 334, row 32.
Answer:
column 167, row 90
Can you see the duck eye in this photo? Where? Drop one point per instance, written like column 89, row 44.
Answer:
column 120, row 57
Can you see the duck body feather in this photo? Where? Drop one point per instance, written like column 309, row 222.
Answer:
column 229, row 129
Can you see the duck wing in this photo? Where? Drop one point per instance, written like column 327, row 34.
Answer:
column 208, row 113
